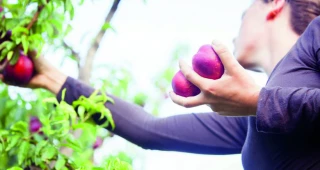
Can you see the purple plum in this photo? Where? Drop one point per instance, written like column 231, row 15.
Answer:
column 183, row 87
column 207, row 63
column 34, row 125
column 19, row 73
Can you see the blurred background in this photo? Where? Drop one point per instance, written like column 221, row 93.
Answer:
column 134, row 50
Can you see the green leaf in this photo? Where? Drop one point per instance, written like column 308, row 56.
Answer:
column 13, row 140
column 3, row 132
column 13, row 57
column 40, row 146
column 49, row 29
column 25, row 43
column 68, row 30
column 79, row 126
column 63, row 94
column 106, row 26
column 21, row 127
column 19, row 30
column 60, row 162
column 48, row 153
column 73, row 143
column 81, row 111
column 51, row 100
column 15, row 168
column 44, row 2
column 3, row 34
column 97, row 168
column 5, row 44
column 23, row 152
column 94, row 93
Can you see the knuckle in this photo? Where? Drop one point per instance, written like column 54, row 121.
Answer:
column 206, row 88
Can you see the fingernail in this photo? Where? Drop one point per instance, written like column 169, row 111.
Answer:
column 215, row 42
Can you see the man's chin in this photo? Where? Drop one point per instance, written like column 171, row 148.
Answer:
column 255, row 69
column 251, row 66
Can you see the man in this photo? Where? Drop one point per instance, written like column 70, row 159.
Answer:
column 268, row 31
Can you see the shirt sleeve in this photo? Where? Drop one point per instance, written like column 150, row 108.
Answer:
column 284, row 109
column 205, row 133
column 287, row 109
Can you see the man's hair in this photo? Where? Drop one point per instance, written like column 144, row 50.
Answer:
column 302, row 13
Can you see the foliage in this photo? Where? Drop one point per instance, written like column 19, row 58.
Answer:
column 32, row 25
column 21, row 147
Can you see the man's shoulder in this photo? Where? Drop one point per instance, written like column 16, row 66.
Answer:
column 314, row 25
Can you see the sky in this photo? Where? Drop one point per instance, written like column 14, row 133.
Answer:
column 146, row 36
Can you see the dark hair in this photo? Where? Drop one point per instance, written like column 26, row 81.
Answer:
column 302, row 13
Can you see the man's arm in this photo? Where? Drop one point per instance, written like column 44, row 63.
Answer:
column 205, row 133
column 282, row 110
column 291, row 98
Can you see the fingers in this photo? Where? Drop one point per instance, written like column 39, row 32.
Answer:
column 192, row 76
column 187, row 101
column 32, row 54
column 229, row 61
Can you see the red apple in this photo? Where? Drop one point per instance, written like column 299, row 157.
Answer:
column 181, row 86
column 19, row 73
column 207, row 63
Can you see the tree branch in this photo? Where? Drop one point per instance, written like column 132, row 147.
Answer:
column 35, row 17
column 73, row 52
column 85, row 71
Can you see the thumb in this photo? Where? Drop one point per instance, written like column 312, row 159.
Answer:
column 32, row 54
column 228, row 60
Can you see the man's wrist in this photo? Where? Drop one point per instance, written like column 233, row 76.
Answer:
column 254, row 101
column 56, row 79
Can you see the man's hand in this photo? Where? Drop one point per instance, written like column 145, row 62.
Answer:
column 234, row 94
column 47, row 76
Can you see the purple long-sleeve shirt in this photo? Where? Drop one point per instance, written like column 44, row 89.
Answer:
column 284, row 135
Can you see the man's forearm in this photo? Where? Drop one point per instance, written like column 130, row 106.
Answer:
column 55, row 81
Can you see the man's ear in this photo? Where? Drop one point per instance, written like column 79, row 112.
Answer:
column 276, row 8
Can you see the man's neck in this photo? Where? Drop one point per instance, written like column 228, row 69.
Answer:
column 280, row 45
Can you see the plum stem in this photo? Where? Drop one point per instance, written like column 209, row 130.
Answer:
column 35, row 17
column 3, row 65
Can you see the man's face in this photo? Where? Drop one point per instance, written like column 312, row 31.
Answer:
column 251, row 34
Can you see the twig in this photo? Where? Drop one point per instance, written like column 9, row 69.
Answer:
column 85, row 71
column 35, row 17
column 3, row 65
column 73, row 52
